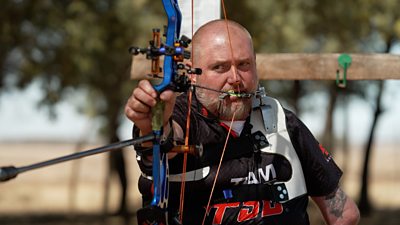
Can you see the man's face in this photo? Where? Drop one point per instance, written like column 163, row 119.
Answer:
column 226, row 71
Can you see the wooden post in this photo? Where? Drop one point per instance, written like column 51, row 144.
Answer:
column 302, row 66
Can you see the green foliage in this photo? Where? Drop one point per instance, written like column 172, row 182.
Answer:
column 73, row 46
column 318, row 26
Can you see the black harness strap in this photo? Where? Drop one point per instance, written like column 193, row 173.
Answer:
column 243, row 193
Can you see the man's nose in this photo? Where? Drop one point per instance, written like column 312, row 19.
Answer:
column 234, row 76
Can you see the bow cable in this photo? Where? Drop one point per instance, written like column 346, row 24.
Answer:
column 233, row 116
column 190, row 94
column 224, row 94
column 218, row 169
column 231, row 48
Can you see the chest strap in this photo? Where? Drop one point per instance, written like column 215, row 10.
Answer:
column 273, row 192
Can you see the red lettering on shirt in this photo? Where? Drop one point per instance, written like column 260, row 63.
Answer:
column 271, row 208
column 248, row 211
column 323, row 150
column 328, row 157
column 219, row 213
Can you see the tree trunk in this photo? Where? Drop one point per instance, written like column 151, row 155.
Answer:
column 328, row 137
column 116, row 160
column 117, row 165
column 296, row 95
column 345, row 137
column 364, row 203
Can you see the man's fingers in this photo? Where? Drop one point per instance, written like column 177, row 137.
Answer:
column 146, row 86
column 141, row 100
column 135, row 105
column 138, row 116
column 167, row 96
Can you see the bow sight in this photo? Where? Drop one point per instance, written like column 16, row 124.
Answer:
column 180, row 82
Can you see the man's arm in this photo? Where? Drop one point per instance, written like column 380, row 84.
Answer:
column 337, row 208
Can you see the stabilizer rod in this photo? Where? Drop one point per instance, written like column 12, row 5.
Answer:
column 10, row 172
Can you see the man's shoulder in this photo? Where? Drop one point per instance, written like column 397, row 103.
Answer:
column 290, row 115
column 293, row 122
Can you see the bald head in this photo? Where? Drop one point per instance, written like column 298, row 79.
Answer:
column 219, row 30
column 224, row 51
column 219, row 27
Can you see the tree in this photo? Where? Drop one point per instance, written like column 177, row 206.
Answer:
column 73, row 46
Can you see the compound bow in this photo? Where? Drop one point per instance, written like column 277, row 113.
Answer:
column 174, row 53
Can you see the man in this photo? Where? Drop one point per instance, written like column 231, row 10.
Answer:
column 272, row 164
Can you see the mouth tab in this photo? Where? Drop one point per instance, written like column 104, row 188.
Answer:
column 234, row 94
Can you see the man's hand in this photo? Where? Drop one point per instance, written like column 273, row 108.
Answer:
column 143, row 98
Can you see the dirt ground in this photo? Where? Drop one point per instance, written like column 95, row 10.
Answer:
column 74, row 192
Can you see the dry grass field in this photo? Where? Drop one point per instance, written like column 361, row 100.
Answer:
column 45, row 196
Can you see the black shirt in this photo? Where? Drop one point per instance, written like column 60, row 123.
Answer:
column 242, row 165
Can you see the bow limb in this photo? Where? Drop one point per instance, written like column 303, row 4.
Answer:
column 160, row 161
column 174, row 53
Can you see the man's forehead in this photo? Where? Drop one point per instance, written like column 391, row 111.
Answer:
column 221, row 38
column 222, row 29
column 217, row 57
column 224, row 32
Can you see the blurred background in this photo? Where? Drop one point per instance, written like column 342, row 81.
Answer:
column 65, row 77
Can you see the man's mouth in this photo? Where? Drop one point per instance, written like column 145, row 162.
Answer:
column 234, row 94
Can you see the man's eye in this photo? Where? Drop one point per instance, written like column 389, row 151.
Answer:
column 244, row 66
column 220, row 68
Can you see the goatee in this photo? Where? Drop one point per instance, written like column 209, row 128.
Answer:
column 224, row 109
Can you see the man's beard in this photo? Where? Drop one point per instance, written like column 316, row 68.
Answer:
column 224, row 109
